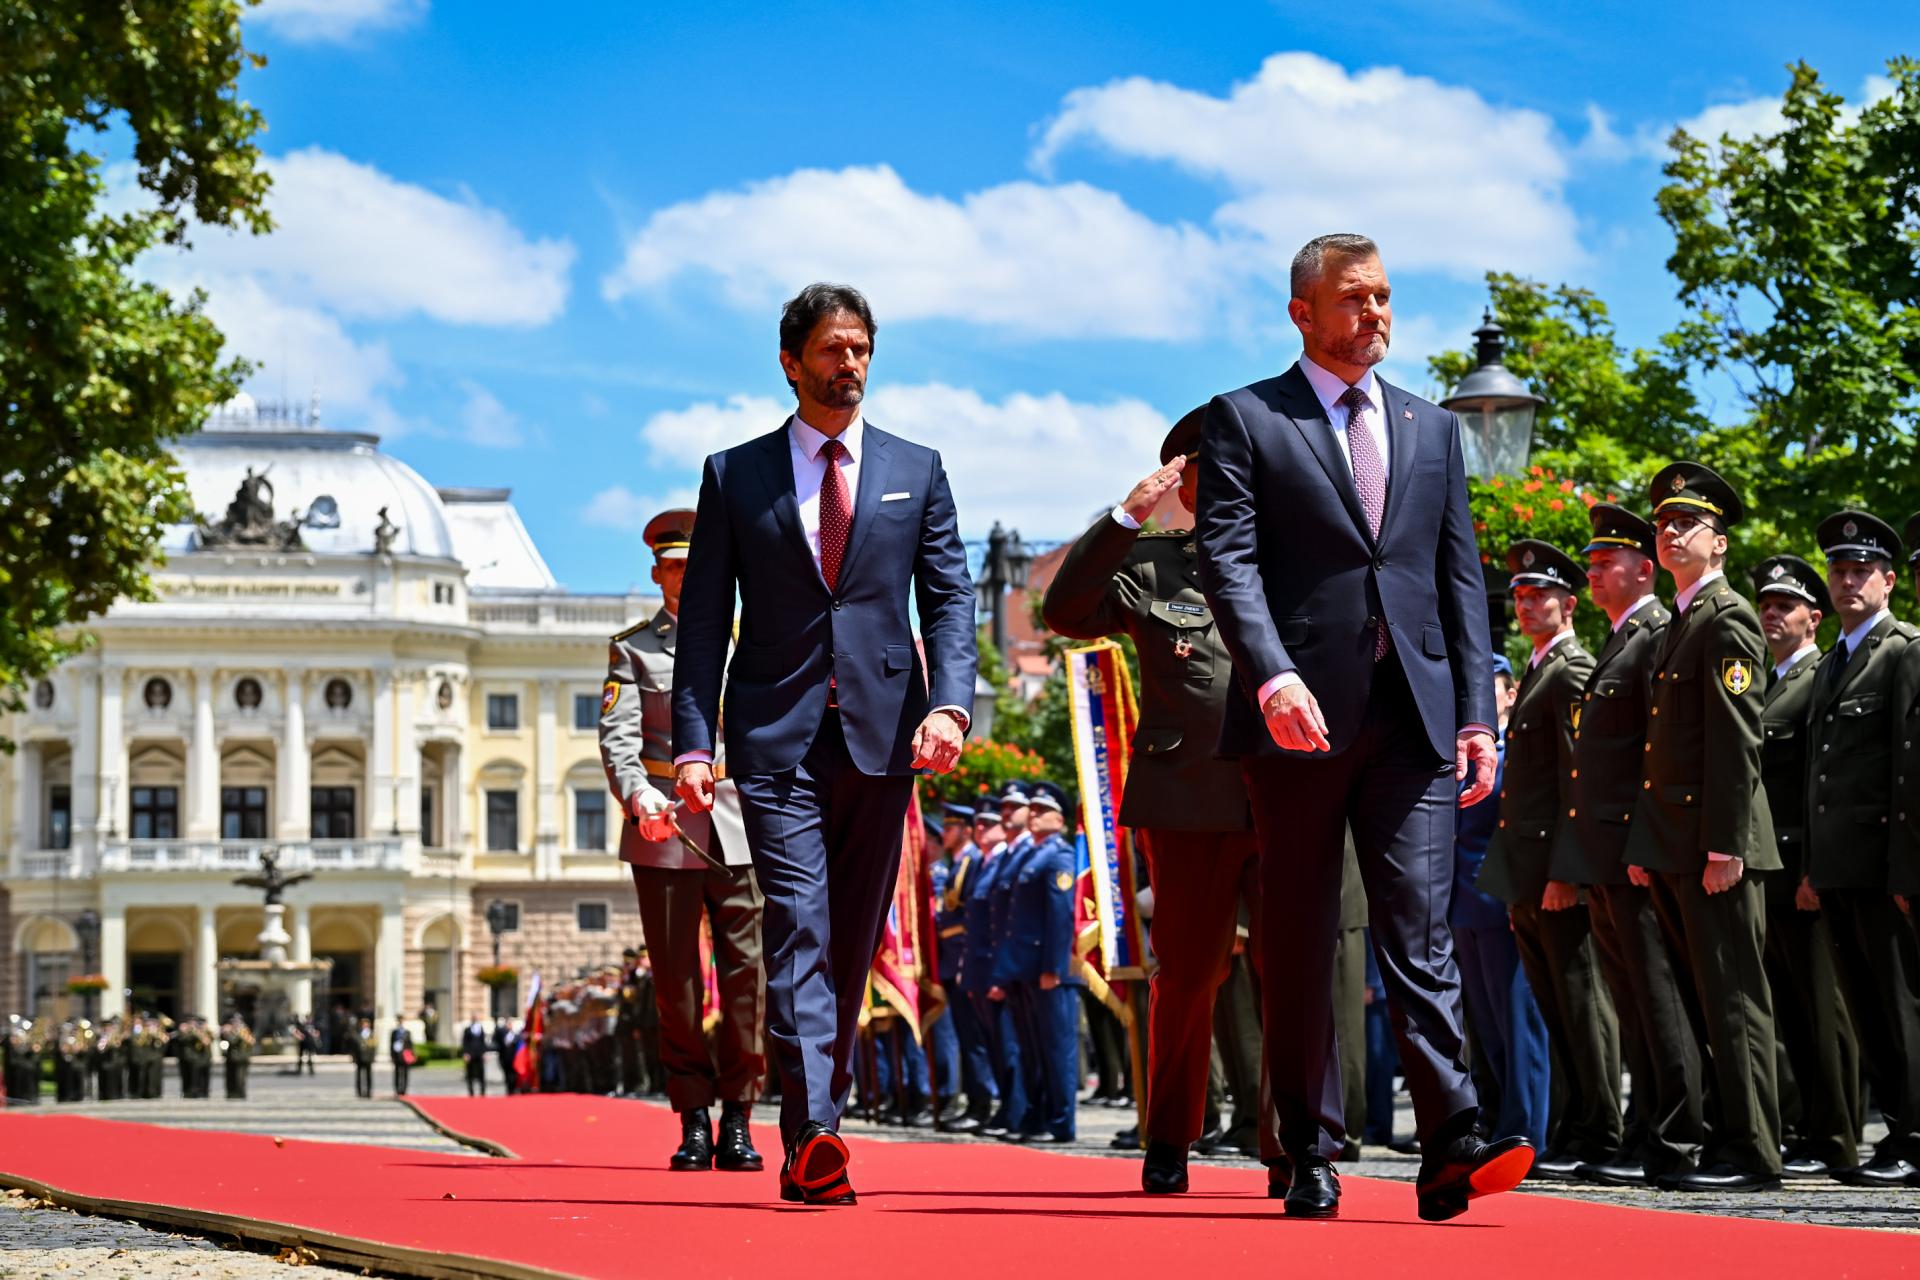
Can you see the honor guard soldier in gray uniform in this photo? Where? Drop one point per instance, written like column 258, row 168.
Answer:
column 1659, row 1038
column 686, row 866
column 1703, row 822
column 1821, row 1115
column 1853, row 742
column 1550, row 922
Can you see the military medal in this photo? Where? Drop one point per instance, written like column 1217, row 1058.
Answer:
column 1183, row 648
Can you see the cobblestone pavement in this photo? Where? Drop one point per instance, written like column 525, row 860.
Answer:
column 37, row 1241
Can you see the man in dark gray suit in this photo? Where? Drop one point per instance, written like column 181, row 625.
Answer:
column 1338, row 556
column 824, row 527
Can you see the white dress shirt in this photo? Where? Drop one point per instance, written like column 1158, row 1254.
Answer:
column 1786, row 664
column 1330, row 387
column 1855, row 638
column 1638, row 605
column 1547, row 648
column 1692, row 593
column 804, row 445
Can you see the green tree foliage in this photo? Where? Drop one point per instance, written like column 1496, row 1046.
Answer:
column 97, row 369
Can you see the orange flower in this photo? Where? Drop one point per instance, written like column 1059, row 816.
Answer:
column 1590, row 500
column 1531, row 486
column 1535, row 471
column 1497, row 483
column 1518, row 509
column 1566, row 486
column 1555, row 505
column 1549, row 473
column 1613, row 497
column 1485, row 558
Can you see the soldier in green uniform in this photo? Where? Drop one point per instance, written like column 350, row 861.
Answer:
column 1853, row 745
column 1702, row 822
column 110, row 1060
column 1821, row 1114
column 146, row 1051
column 1904, row 856
column 628, row 1015
column 236, row 1053
column 1550, row 922
column 24, row 1044
column 686, row 867
column 362, row 1048
column 1659, row 1032
column 71, row 1048
column 193, row 1048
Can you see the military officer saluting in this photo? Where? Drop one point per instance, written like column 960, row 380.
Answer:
column 1853, row 742
column 1550, row 923
column 1823, row 1135
column 1702, row 822
column 686, row 866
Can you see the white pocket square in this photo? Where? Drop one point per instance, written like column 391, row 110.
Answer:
column 895, row 497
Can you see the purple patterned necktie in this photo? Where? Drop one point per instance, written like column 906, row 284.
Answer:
column 1370, row 478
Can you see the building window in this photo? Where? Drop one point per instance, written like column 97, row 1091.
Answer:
column 59, row 817
column 243, row 813
column 333, row 813
column 503, row 821
column 339, row 694
column 503, row 711
column 246, row 694
column 158, row 694
column 443, row 593
column 443, row 697
column 590, row 917
column 510, row 919
column 156, row 813
column 590, row 819
column 426, row 819
column 586, row 711
column 43, row 694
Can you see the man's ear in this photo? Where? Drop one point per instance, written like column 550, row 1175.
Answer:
column 1300, row 313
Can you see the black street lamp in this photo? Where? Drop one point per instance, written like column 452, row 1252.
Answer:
column 496, row 925
column 1496, row 409
column 87, row 925
column 1004, row 568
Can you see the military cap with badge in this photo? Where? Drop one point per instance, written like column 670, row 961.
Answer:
column 1615, row 527
column 1534, row 563
column 1858, row 536
column 1791, row 576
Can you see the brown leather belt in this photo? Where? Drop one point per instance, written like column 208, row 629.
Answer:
column 665, row 769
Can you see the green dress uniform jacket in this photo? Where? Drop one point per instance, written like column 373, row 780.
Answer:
column 1610, row 733
column 1537, row 798
column 1904, row 855
column 1854, row 746
column 636, row 747
column 1700, row 787
column 1147, row 585
column 1783, row 767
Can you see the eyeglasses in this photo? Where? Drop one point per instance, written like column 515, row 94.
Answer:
column 1680, row 526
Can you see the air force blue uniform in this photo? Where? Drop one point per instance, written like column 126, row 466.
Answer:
column 1039, row 940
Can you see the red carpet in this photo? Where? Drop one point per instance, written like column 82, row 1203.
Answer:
column 585, row 1195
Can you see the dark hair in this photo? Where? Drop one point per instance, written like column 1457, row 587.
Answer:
column 815, row 303
column 1312, row 258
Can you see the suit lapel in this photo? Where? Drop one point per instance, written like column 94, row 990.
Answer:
column 776, row 472
column 1401, row 443
column 1303, row 408
column 866, row 500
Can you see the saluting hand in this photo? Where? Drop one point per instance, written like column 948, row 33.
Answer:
column 1147, row 494
column 693, row 779
column 1294, row 719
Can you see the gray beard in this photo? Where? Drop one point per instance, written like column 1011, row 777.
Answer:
column 1365, row 349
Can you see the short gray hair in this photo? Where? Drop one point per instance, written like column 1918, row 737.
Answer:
column 1311, row 261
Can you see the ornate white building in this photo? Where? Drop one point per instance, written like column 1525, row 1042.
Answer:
column 378, row 678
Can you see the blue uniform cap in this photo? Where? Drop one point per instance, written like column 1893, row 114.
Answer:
column 958, row 813
column 1501, row 667
column 1048, row 796
column 1013, row 793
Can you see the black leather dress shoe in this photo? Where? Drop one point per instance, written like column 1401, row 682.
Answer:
column 1804, row 1166
column 696, row 1142
column 1015, row 1136
column 992, row 1129
column 1127, row 1139
column 1555, row 1166
column 1721, row 1177
column 1210, row 1141
column 837, row 1192
column 1316, row 1190
column 816, row 1161
column 1164, row 1171
column 1617, row 1171
column 1467, row 1167
column 1881, row 1172
column 918, row 1115
column 734, row 1151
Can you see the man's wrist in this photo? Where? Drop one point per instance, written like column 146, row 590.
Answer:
column 958, row 713
column 1124, row 518
column 1285, row 679
column 1468, row 730
column 693, row 757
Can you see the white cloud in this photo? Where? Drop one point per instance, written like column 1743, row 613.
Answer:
column 1056, row 261
column 1033, row 462
column 368, row 245
column 334, row 20
column 619, row 507
column 1307, row 147
column 486, row 423
column 1757, row 117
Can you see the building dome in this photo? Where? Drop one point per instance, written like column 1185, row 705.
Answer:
column 334, row 483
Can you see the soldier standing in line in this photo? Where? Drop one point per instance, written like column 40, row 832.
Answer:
column 193, row 1049
column 1660, row 1029
column 473, row 1052
column 626, row 1023
column 1862, row 691
column 953, row 878
column 23, row 1047
column 1904, row 856
column 1550, row 922
column 360, row 1045
column 236, row 1054
column 678, row 887
column 1037, row 969
column 1703, row 822
column 110, row 1060
column 976, row 967
column 1821, row 1115
column 144, row 1048
column 70, row 1062
column 1010, row 1008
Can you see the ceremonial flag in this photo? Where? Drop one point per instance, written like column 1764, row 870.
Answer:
column 1112, row 939
column 901, row 961
column 526, row 1058
column 709, row 978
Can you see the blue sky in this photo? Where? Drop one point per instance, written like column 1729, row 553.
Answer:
column 546, row 248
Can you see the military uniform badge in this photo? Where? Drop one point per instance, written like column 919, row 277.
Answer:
column 1063, row 882
column 609, row 696
column 1737, row 675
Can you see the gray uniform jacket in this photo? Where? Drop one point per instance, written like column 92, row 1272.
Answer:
column 636, row 746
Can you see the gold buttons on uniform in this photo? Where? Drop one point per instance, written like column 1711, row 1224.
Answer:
column 1573, row 813
column 1647, row 785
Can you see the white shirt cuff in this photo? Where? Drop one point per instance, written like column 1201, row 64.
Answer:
column 1275, row 685
column 704, row 757
column 1719, row 857
column 1125, row 521
column 960, row 714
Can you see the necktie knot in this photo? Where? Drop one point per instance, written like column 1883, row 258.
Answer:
column 1354, row 399
column 832, row 450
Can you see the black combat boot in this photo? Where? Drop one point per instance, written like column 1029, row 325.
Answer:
column 696, row 1141
column 735, row 1152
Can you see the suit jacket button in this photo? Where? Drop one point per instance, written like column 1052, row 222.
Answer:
column 836, row 606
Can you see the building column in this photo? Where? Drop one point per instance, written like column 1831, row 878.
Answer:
column 206, row 986
column 113, row 956
column 203, row 763
column 409, row 759
column 390, row 970
column 380, row 775
column 453, row 794
column 300, row 924
column 113, row 755
column 86, row 764
column 294, row 803
column 28, row 792
column 546, row 784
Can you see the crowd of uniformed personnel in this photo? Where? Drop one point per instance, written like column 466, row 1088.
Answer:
column 120, row 1057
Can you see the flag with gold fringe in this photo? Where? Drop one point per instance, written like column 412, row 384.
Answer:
column 902, row 959
column 1111, row 942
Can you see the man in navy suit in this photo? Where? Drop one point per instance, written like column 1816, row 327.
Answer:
column 1337, row 551
column 823, row 527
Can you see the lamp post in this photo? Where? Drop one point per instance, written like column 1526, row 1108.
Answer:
column 496, row 925
column 1004, row 568
column 87, row 925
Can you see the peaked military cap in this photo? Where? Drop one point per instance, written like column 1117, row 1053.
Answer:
column 1689, row 486
column 1913, row 538
column 1534, row 563
column 1792, row 576
column 670, row 534
column 1014, row 793
column 1501, row 667
column 1855, row 535
column 1046, row 795
column 1184, row 438
column 629, row 953
column 957, row 813
column 1615, row 526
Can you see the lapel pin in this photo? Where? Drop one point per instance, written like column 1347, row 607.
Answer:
column 1407, row 414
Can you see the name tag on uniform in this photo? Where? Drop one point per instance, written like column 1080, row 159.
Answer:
column 894, row 497
column 1186, row 608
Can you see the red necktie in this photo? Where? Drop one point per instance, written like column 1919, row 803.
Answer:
column 836, row 515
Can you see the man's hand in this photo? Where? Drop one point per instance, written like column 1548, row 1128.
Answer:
column 1900, row 901
column 996, row 993
column 652, row 813
column 936, row 743
column 1805, row 897
column 693, row 780
column 1147, row 494
column 1048, row 981
column 1722, row 874
column 1474, row 752
column 1294, row 719
column 1559, row 896
column 1640, row 876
